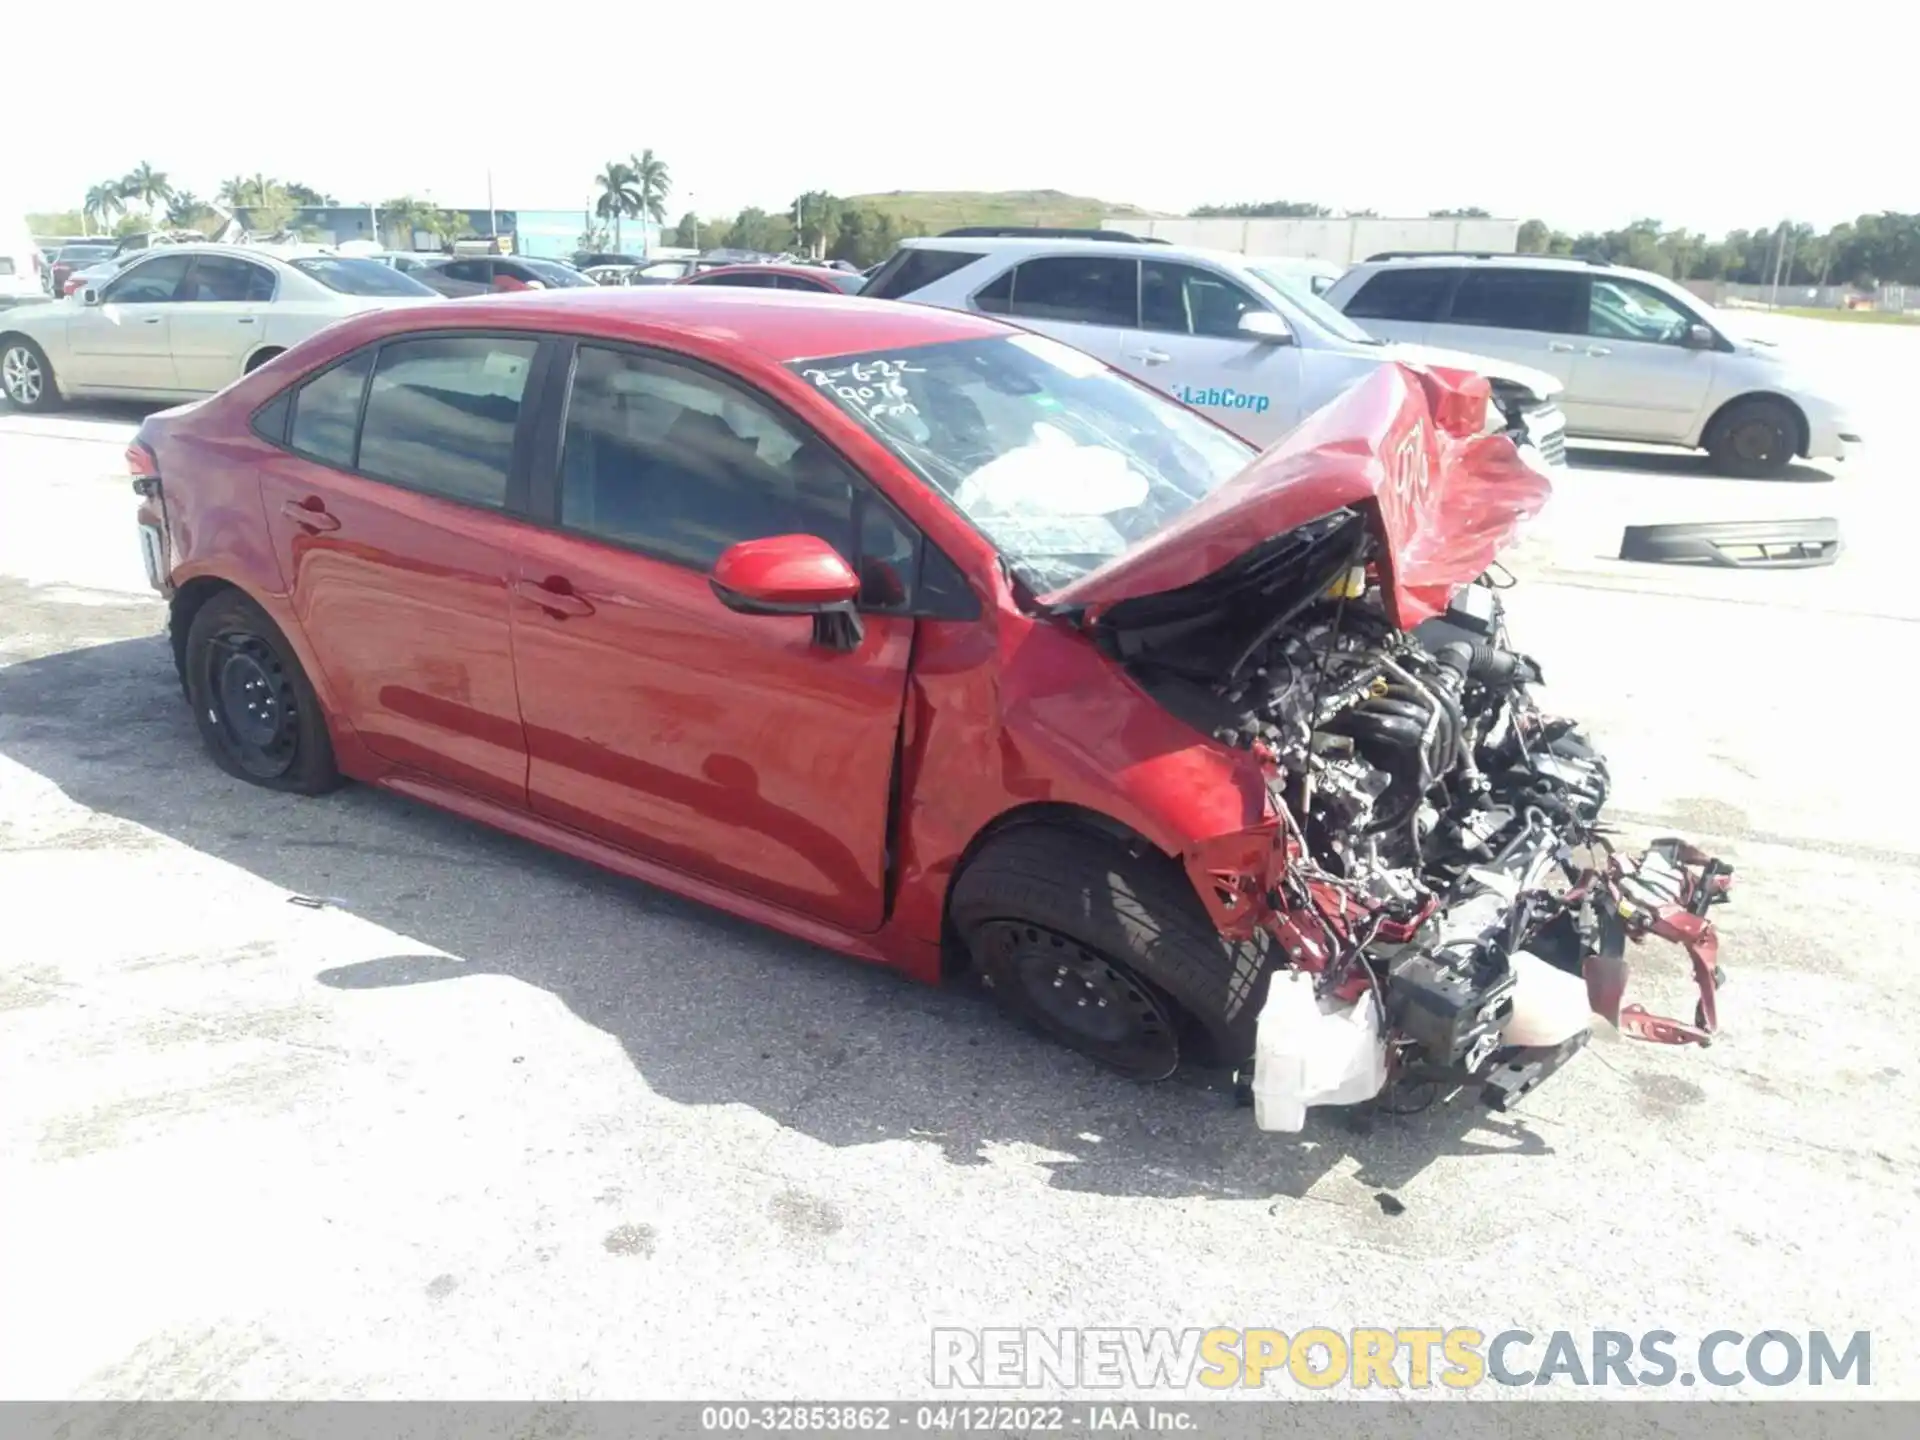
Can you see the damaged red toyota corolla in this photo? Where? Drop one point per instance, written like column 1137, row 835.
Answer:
column 939, row 643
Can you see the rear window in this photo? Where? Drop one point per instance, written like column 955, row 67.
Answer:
column 1413, row 293
column 352, row 276
column 911, row 269
column 556, row 274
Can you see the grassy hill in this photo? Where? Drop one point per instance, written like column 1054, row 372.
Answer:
column 936, row 210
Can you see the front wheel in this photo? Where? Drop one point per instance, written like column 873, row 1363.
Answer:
column 25, row 376
column 1106, row 951
column 1754, row 439
column 258, row 715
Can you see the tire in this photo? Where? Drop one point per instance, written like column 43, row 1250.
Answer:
column 26, row 377
column 1108, row 952
column 260, row 359
column 257, row 713
column 1755, row 439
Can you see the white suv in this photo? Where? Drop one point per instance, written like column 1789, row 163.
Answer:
column 1641, row 357
column 1245, row 342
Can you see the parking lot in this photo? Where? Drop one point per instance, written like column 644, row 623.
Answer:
column 489, row 1123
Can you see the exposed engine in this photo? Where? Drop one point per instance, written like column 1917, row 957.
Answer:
column 1448, row 868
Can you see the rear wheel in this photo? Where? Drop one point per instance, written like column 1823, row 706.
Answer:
column 1108, row 952
column 258, row 715
column 1755, row 439
column 25, row 376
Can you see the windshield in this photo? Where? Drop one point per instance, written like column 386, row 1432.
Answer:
column 1060, row 462
column 1299, row 291
column 555, row 274
column 359, row 277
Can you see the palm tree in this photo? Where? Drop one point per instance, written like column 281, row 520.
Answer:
column 654, row 184
column 233, row 192
column 183, row 208
column 619, row 196
column 105, row 203
column 149, row 186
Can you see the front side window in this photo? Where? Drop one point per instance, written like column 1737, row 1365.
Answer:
column 669, row 459
column 1061, row 462
column 441, row 413
column 1183, row 300
column 223, row 279
column 1083, row 289
column 748, row 279
column 474, row 272
column 1629, row 310
column 557, row 277
column 1413, row 293
column 1553, row 301
column 151, row 282
column 327, row 409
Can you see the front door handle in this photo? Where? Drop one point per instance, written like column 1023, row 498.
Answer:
column 150, row 320
column 1150, row 357
column 1560, row 345
column 311, row 513
column 554, row 595
column 1598, row 350
column 244, row 319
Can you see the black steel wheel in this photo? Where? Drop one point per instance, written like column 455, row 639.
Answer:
column 1082, row 998
column 1755, row 439
column 1106, row 947
column 256, row 711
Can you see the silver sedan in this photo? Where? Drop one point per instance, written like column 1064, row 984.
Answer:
column 185, row 320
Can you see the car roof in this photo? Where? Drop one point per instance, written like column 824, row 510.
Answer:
column 1049, row 245
column 771, row 268
column 775, row 325
column 1488, row 261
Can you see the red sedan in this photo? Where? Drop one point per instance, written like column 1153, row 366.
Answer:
column 820, row 279
column 936, row 642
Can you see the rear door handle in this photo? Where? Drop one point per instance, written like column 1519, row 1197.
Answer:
column 150, row 320
column 1598, row 350
column 310, row 513
column 554, row 595
column 244, row 319
column 1150, row 357
column 1561, row 346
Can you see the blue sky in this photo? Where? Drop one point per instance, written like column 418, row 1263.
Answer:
column 1584, row 115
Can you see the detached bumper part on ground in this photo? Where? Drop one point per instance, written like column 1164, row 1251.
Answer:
column 1736, row 544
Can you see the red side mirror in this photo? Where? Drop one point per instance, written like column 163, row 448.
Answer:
column 784, row 575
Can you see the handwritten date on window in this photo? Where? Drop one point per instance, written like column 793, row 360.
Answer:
column 873, row 388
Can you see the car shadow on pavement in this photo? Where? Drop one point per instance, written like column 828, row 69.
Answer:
column 1681, row 463
column 709, row 1010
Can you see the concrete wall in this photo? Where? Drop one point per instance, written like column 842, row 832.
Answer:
column 1343, row 241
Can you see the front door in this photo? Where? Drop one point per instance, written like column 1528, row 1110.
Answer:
column 125, row 342
column 1636, row 378
column 216, row 320
column 1189, row 344
column 731, row 747
column 396, row 540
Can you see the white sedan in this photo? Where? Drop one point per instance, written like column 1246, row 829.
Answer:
column 185, row 320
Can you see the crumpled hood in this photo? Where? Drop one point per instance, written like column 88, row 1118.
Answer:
column 1404, row 444
column 1546, row 386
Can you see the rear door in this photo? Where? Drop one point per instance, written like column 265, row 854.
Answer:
column 1533, row 317
column 392, row 509
column 126, row 341
column 1189, row 345
column 1090, row 301
column 732, row 747
column 1636, row 378
column 216, row 319
column 1401, row 302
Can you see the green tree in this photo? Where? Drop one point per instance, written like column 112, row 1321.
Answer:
column 1471, row 212
column 149, row 186
column 816, row 221
column 270, row 209
column 232, row 193
column 409, row 216
column 305, row 195
column 686, row 234
column 619, row 196
column 652, row 184
column 449, row 225
column 104, row 204
column 1263, row 209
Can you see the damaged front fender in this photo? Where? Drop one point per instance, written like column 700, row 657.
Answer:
column 1665, row 893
